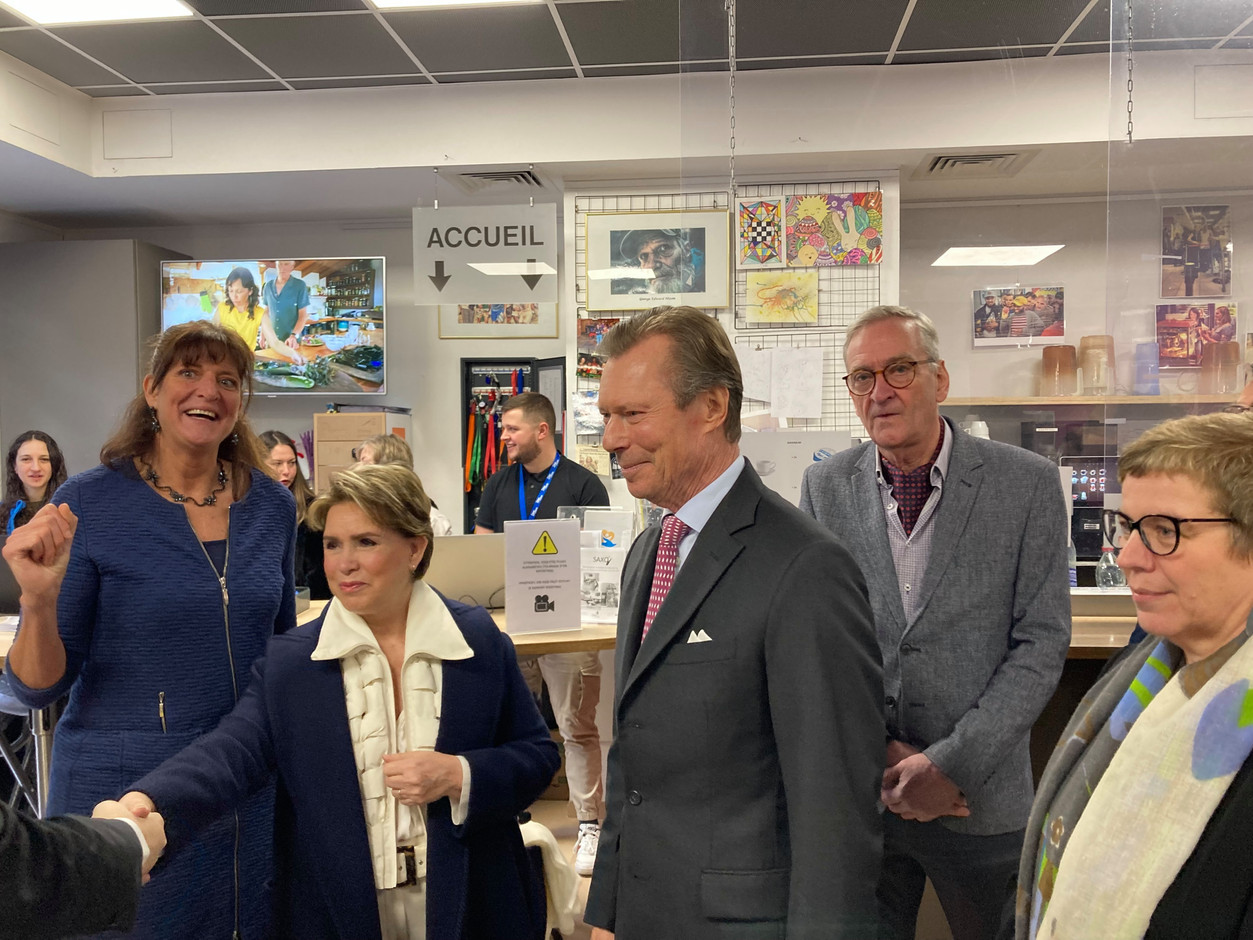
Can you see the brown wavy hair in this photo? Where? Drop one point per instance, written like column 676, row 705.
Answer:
column 300, row 488
column 190, row 344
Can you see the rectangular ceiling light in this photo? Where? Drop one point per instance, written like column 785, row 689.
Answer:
column 424, row 4
column 995, row 255
column 61, row 12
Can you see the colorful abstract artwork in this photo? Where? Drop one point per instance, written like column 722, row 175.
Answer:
column 782, row 297
column 830, row 229
column 760, row 228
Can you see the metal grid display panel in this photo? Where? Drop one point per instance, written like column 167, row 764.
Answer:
column 843, row 291
column 837, row 404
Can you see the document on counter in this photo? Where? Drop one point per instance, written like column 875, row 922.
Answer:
column 542, row 575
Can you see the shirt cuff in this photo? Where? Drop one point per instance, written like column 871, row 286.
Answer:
column 143, row 843
column 461, row 809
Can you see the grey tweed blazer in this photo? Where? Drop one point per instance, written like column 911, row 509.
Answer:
column 968, row 678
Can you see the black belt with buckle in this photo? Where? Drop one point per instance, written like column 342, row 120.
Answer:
column 406, row 866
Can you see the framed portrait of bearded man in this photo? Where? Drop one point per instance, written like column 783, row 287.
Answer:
column 640, row 260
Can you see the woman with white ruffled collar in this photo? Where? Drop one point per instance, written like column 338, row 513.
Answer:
column 404, row 739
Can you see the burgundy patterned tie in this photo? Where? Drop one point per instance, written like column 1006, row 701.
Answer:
column 672, row 531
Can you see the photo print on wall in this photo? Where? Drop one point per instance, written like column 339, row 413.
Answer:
column 1019, row 316
column 1184, row 330
column 1196, row 251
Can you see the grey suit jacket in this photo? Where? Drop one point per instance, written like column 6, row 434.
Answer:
column 968, row 678
column 67, row 876
column 744, row 771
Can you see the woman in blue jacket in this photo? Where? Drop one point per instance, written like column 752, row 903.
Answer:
column 148, row 589
column 404, row 739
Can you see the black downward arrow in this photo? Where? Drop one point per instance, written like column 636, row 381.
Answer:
column 531, row 279
column 439, row 278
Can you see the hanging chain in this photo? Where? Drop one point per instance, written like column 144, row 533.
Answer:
column 1130, row 75
column 730, row 7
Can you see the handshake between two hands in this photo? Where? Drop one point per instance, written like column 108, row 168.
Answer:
column 140, row 810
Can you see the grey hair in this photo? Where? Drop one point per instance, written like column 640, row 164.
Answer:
column 927, row 334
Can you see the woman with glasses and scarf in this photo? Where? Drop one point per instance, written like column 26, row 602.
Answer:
column 1143, row 818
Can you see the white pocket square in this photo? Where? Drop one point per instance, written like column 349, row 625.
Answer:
column 699, row 636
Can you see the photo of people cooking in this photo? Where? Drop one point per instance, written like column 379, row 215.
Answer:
column 315, row 324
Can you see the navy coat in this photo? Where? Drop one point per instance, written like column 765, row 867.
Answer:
column 292, row 720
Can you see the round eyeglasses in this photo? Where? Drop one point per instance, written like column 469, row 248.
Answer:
column 1160, row 534
column 898, row 374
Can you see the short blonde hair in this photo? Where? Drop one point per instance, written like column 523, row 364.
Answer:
column 389, row 494
column 388, row 448
column 1215, row 451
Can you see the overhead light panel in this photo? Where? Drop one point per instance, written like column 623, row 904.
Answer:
column 425, row 4
column 526, row 268
column 63, row 12
column 995, row 256
column 618, row 274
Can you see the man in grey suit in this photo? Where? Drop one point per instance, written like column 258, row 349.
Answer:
column 749, row 729
column 963, row 544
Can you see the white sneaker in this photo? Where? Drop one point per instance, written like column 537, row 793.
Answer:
column 585, row 848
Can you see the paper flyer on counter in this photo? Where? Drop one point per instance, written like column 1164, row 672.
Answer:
column 542, row 575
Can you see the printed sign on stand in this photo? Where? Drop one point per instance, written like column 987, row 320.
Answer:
column 542, row 575
column 485, row 255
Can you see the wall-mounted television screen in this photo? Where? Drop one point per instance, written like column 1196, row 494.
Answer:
column 316, row 324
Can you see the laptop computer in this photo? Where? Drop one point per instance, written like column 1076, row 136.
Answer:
column 469, row 568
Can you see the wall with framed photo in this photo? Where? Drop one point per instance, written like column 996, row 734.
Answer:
column 497, row 321
column 639, row 260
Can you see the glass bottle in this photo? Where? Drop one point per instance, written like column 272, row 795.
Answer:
column 1108, row 574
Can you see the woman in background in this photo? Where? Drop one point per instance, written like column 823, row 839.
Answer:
column 148, row 588
column 35, row 469
column 282, row 460
column 1143, row 819
column 241, row 313
column 392, row 449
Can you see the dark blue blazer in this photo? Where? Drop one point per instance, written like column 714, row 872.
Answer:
column 292, row 720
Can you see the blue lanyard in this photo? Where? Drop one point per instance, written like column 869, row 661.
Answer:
column 542, row 490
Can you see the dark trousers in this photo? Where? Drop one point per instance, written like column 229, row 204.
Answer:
column 973, row 877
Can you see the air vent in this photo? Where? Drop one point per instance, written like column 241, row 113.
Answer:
column 973, row 166
column 498, row 179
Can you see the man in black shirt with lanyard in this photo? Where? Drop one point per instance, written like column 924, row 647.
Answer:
column 538, row 480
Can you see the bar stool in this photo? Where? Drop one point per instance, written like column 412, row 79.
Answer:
column 17, row 748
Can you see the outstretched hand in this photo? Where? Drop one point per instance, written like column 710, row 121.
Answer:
column 39, row 552
column 138, row 808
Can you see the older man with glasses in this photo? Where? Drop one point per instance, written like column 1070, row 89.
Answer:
column 963, row 545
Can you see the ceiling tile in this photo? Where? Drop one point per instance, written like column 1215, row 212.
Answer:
column 635, row 31
column 53, row 58
column 218, row 88
column 371, row 82
column 971, row 55
column 806, row 27
column 184, row 51
column 312, row 46
column 455, row 78
column 234, row 7
column 509, row 37
column 112, row 91
column 1164, row 19
column 876, row 58
column 1239, row 42
column 964, row 24
column 10, row 19
column 654, row 68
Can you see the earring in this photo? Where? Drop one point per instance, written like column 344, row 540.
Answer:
column 152, row 417
column 234, row 438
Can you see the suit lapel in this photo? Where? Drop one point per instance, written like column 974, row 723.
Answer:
column 877, row 564
column 715, row 548
column 637, row 582
column 961, row 486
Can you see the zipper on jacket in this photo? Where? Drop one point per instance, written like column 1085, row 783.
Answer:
column 161, row 710
column 230, row 657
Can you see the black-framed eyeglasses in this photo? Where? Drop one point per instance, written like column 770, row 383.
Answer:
column 898, row 374
column 1160, row 534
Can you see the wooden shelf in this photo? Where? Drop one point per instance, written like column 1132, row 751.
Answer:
column 1055, row 401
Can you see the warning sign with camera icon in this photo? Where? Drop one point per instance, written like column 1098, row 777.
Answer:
column 542, row 568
